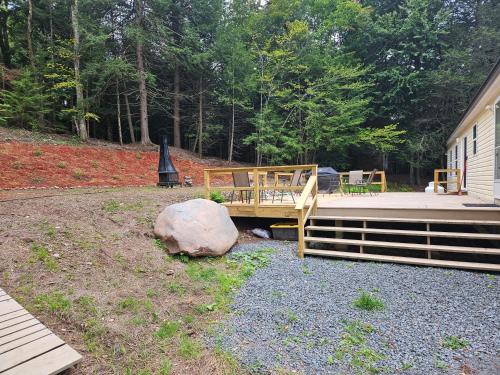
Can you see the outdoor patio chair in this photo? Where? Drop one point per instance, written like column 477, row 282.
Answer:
column 355, row 178
column 241, row 180
column 295, row 181
column 366, row 185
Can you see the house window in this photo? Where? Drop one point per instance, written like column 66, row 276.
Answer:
column 474, row 140
column 456, row 157
column 450, row 159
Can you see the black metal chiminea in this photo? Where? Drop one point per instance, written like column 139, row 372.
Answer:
column 166, row 171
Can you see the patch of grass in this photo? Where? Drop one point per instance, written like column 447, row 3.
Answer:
column 88, row 305
column 61, row 165
column 330, row 360
column 167, row 330
column 41, row 253
column 176, row 288
column 454, row 343
column 37, row 152
column 160, row 245
column 440, row 364
column 78, row 174
column 94, row 164
column 197, row 272
column 113, row 206
column 37, row 180
column 17, row 165
column 188, row 319
column 54, row 302
column 49, row 229
column 150, row 293
column 189, row 348
column 368, row 302
column 405, row 366
column 353, row 348
column 129, row 303
column 166, row 367
column 92, row 332
column 490, row 276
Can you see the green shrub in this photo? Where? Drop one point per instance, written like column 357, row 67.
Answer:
column 216, row 196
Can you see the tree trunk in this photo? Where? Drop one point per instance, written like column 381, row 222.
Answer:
column 118, row 113
column 143, row 95
column 385, row 161
column 200, row 120
column 177, row 117
column 129, row 119
column 80, row 121
column 412, row 175
column 4, row 34
column 30, row 33
column 109, row 129
column 231, row 133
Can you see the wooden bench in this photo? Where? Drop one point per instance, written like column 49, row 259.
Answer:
column 27, row 347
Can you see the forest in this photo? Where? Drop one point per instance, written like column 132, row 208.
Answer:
column 345, row 83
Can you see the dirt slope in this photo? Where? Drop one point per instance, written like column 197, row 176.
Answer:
column 29, row 160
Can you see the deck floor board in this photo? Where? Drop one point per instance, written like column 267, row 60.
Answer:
column 27, row 347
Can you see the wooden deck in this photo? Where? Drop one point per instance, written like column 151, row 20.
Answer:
column 27, row 347
column 405, row 227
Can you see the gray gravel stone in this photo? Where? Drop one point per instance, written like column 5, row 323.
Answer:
column 291, row 315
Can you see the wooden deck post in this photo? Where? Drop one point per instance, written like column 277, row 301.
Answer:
column 301, row 224
column 436, row 180
column 206, row 175
column 459, row 181
column 383, row 182
column 256, row 191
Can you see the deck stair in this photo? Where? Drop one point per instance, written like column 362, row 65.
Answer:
column 471, row 244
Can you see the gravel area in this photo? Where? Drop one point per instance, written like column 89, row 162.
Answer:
column 298, row 316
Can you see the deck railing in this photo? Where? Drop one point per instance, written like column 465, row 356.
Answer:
column 304, row 212
column 451, row 176
column 262, row 175
column 380, row 181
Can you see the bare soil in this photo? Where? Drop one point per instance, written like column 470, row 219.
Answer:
column 41, row 161
column 84, row 261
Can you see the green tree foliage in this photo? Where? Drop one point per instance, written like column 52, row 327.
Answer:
column 283, row 81
column 25, row 104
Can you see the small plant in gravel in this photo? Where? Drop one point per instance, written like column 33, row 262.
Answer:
column 94, row 164
column 439, row 363
column 41, row 253
column 61, row 165
column 368, row 302
column 37, row 152
column 354, row 348
column 189, row 348
column 167, row 330
column 405, row 366
column 454, row 343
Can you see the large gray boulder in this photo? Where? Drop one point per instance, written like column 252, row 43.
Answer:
column 197, row 227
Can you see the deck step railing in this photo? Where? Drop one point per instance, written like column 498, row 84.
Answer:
column 450, row 177
column 473, row 243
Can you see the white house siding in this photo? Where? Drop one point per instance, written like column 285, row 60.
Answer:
column 480, row 165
